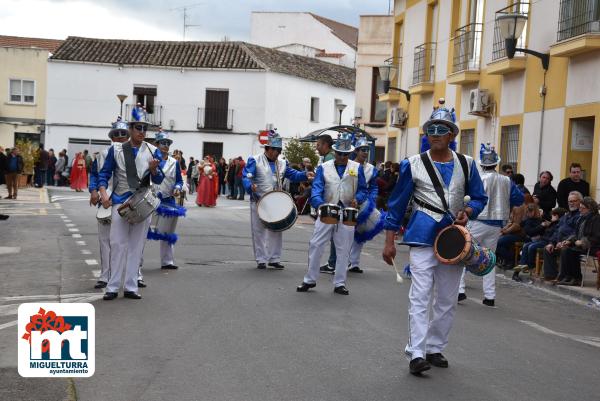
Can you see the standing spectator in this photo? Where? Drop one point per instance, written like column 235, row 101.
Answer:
column 519, row 180
column 570, row 184
column 238, row 178
column 544, row 194
column 78, row 173
column 222, row 170
column 66, row 157
column 195, row 175
column 51, row 167
column 14, row 168
column 3, row 159
column 206, row 187
column 182, row 165
column 190, row 174
column 88, row 162
column 231, row 178
column 306, row 163
column 566, row 228
column 41, row 167
column 60, row 169
column 507, row 170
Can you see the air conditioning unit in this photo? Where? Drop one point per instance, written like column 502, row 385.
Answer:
column 479, row 102
column 398, row 117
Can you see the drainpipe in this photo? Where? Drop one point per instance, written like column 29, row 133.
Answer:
column 543, row 95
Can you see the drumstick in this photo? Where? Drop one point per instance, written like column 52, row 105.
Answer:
column 399, row 278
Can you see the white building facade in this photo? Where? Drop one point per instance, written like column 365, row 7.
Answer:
column 217, row 110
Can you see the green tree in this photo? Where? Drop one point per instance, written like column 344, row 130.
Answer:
column 295, row 151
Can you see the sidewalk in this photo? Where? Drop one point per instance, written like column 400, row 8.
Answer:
column 24, row 195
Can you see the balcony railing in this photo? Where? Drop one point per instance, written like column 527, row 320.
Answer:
column 578, row 17
column 498, row 48
column 154, row 114
column 467, row 48
column 215, row 119
column 424, row 63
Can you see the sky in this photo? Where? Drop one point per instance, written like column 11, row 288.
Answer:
column 160, row 19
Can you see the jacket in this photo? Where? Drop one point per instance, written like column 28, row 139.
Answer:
column 588, row 231
column 19, row 163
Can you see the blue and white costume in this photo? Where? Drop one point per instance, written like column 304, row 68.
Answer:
column 126, row 240
column 429, row 336
column 335, row 184
column 168, row 206
column 262, row 172
column 503, row 195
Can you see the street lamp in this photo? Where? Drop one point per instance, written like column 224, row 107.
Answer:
column 387, row 72
column 121, row 99
column 340, row 107
column 511, row 27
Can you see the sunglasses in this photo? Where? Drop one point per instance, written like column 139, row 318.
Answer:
column 120, row 134
column 362, row 149
column 140, row 127
column 164, row 143
column 438, row 130
column 342, row 154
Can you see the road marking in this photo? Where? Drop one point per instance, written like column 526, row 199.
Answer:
column 69, row 224
column 80, row 243
column 9, row 324
column 91, row 262
column 593, row 341
column 6, row 250
column 74, row 230
column 47, row 296
column 96, row 273
column 76, row 235
column 86, row 252
column 67, row 221
column 62, row 216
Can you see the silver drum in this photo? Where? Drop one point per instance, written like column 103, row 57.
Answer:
column 139, row 206
column 103, row 215
column 164, row 224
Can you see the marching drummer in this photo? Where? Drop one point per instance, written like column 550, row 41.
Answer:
column 503, row 195
column 338, row 182
column 169, row 189
column 131, row 165
column 360, row 237
column 262, row 174
column 118, row 133
column 435, row 205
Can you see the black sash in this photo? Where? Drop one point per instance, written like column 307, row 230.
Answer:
column 439, row 190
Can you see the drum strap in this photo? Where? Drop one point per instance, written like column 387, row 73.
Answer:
column 463, row 163
column 428, row 206
column 130, row 169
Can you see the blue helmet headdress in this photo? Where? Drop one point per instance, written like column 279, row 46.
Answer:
column 274, row 140
column 163, row 136
column 488, row 156
column 442, row 115
column 118, row 126
column 343, row 143
column 138, row 115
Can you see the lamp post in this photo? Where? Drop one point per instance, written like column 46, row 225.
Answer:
column 511, row 27
column 340, row 107
column 387, row 72
column 121, row 99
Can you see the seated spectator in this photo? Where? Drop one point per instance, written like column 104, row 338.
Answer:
column 519, row 180
column 586, row 238
column 302, row 198
column 565, row 230
column 544, row 193
column 511, row 233
column 539, row 231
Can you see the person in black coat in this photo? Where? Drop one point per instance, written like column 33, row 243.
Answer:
column 3, row 159
column 544, row 194
column 570, row 184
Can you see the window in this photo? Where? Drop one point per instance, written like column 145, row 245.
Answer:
column 145, row 95
column 215, row 149
column 467, row 142
column 22, row 91
column 216, row 113
column 509, row 146
column 378, row 109
column 314, row 109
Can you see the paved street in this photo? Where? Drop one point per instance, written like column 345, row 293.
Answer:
column 218, row 329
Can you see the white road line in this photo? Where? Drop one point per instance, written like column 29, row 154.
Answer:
column 86, row 252
column 62, row 216
column 68, row 221
column 46, row 296
column 593, row 341
column 76, row 235
column 6, row 310
column 5, row 250
column 96, row 273
column 9, row 324
column 74, row 230
column 91, row 262
column 80, row 243
column 69, row 224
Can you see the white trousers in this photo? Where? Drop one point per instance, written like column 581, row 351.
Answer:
column 343, row 237
column 355, row 254
column 166, row 254
column 267, row 244
column 430, row 279
column 126, row 248
column 104, row 240
column 147, row 223
column 487, row 236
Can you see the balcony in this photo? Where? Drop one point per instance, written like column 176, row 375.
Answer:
column 578, row 28
column 154, row 114
column 501, row 65
column 423, row 69
column 467, row 53
column 215, row 119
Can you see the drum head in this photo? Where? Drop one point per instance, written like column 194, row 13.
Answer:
column 450, row 243
column 275, row 206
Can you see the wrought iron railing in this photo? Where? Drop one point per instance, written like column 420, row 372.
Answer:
column 424, row 63
column 467, row 47
column 154, row 114
column 215, row 118
column 578, row 17
column 498, row 47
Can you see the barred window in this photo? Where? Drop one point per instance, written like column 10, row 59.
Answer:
column 467, row 142
column 509, row 146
